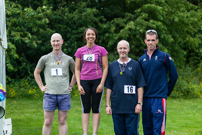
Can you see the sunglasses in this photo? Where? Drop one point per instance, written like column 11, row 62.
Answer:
column 154, row 31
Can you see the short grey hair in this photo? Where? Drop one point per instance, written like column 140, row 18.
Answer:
column 123, row 41
column 57, row 35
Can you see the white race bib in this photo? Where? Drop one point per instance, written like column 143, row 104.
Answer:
column 56, row 71
column 89, row 57
column 129, row 89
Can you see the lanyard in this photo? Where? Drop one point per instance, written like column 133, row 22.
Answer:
column 122, row 68
column 58, row 60
column 88, row 50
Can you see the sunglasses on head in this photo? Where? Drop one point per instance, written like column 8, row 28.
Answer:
column 154, row 31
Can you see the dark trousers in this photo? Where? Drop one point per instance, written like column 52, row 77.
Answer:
column 125, row 124
column 154, row 116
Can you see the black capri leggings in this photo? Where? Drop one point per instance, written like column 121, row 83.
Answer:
column 91, row 98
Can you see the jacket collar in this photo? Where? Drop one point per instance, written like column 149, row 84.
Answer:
column 157, row 48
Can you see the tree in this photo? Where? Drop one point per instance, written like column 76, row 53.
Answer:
column 30, row 26
column 29, row 33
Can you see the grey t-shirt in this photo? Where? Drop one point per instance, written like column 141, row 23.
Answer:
column 56, row 75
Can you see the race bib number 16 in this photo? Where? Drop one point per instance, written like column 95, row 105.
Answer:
column 129, row 89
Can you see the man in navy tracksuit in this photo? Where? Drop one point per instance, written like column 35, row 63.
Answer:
column 156, row 65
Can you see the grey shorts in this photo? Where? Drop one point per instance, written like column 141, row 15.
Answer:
column 52, row 102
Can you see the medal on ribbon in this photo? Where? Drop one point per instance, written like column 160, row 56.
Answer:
column 58, row 60
column 122, row 68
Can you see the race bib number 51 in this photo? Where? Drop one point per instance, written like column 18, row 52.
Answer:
column 129, row 89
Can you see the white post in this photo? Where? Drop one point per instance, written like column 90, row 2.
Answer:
column 3, row 82
column 3, row 46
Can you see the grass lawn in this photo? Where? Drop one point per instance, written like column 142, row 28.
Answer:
column 184, row 117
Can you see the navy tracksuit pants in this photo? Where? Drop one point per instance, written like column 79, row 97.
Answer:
column 154, row 116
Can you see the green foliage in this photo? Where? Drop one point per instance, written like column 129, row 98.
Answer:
column 188, row 85
column 24, row 28
column 75, row 92
column 25, row 87
column 30, row 25
column 29, row 33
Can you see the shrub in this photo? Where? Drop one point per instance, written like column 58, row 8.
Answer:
column 188, row 85
column 75, row 92
column 25, row 87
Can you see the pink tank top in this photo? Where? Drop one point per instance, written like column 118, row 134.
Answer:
column 91, row 66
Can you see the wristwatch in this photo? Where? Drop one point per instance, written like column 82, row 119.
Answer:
column 71, row 86
column 107, row 106
column 140, row 104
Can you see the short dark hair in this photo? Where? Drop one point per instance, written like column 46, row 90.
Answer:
column 152, row 32
column 91, row 28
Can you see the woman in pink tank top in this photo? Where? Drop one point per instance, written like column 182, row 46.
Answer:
column 90, row 78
